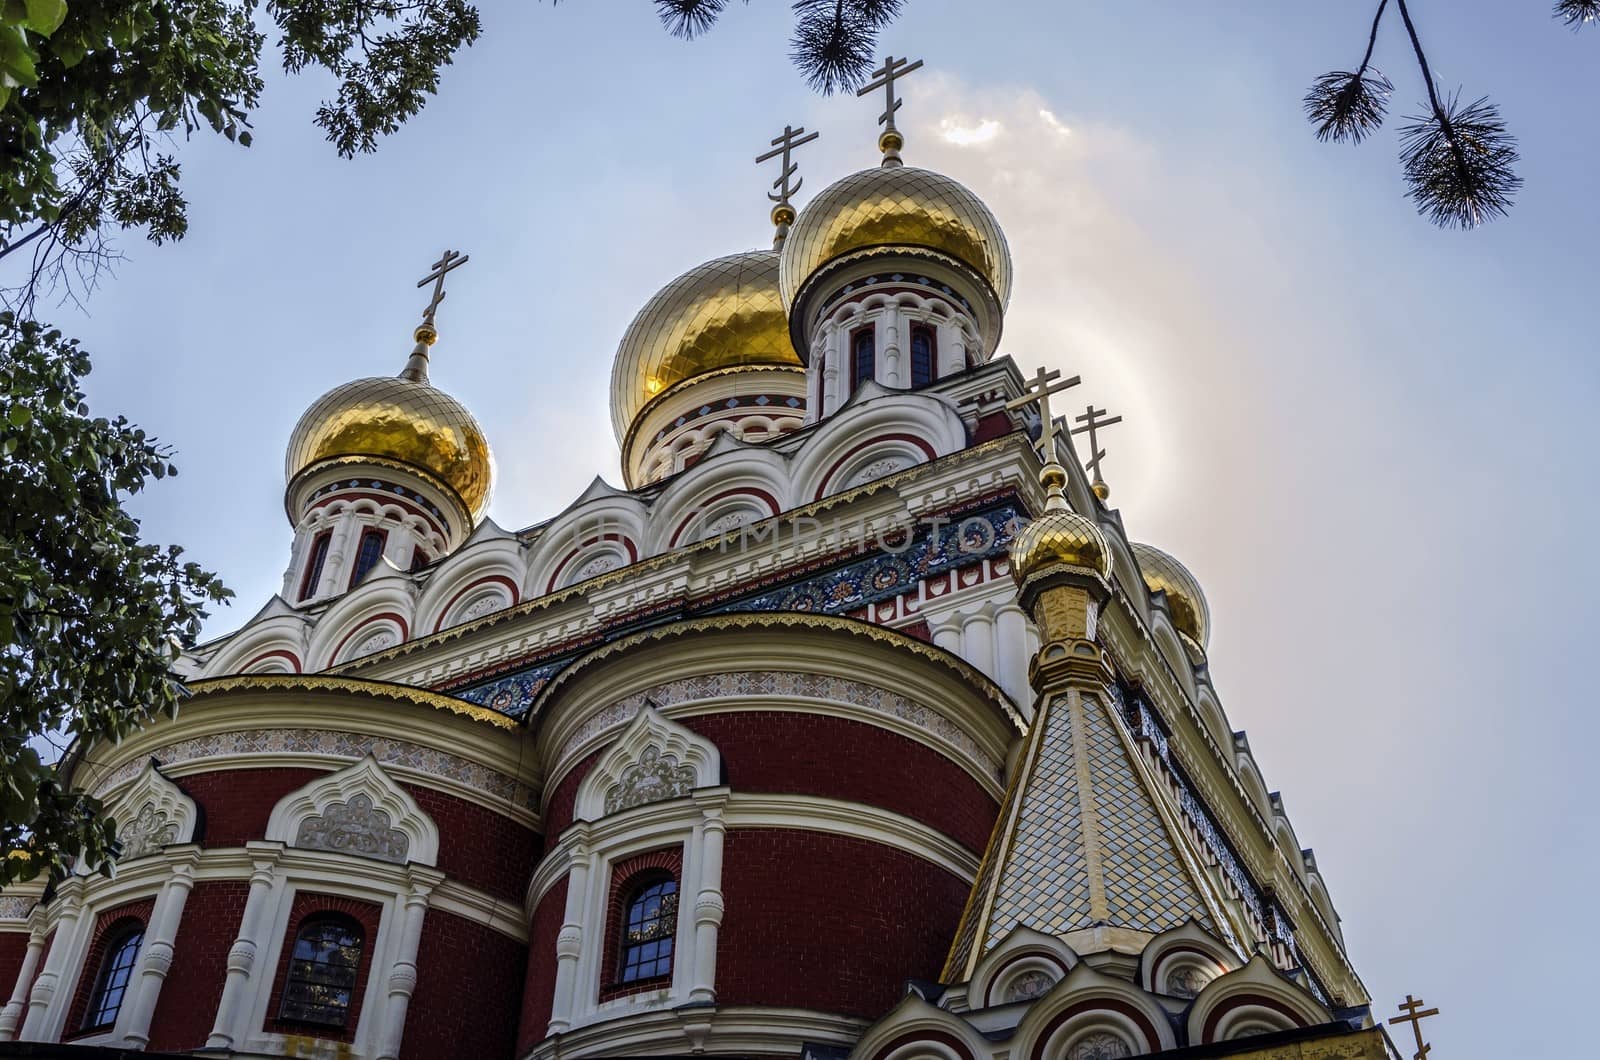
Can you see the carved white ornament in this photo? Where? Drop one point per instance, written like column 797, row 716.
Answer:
column 1101, row 1045
column 656, row 777
column 482, row 606
column 887, row 465
column 597, row 566
column 1186, row 981
column 354, row 827
column 722, row 524
column 149, row 831
column 1029, row 985
column 380, row 640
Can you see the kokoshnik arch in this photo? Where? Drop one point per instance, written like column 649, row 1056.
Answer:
column 944, row 775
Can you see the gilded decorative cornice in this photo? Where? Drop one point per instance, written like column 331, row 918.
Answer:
column 355, row 686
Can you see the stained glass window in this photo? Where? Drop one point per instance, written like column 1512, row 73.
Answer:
column 651, row 920
column 367, row 555
column 116, row 969
column 922, row 345
column 863, row 353
column 319, row 555
column 322, row 972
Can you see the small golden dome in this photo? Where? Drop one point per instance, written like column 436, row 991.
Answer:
column 394, row 418
column 896, row 206
column 723, row 314
column 1059, row 537
column 1185, row 602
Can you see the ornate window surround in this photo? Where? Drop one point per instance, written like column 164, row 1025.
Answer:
column 693, row 819
column 153, row 813
column 325, row 797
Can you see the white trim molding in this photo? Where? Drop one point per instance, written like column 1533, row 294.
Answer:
column 359, row 810
column 151, row 814
column 654, row 758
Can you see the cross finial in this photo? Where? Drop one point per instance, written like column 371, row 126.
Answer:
column 890, row 141
column 783, row 213
column 1093, row 420
column 416, row 368
column 1410, row 1014
column 1037, row 393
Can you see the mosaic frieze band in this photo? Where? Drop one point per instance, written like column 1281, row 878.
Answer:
column 895, row 570
column 333, row 743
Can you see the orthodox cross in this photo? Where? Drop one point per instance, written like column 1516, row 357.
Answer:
column 1410, row 1014
column 1092, row 423
column 783, row 145
column 1037, row 393
column 447, row 261
column 884, row 77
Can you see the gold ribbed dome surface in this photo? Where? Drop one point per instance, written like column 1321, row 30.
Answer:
column 723, row 314
column 896, row 206
column 1185, row 602
column 392, row 418
column 1059, row 538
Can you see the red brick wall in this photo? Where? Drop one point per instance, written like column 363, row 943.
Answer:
column 469, row 989
column 110, row 922
column 480, row 847
column 237, row 802
column 187, row 1007
column 13, row 948
column 308, row 904
column 829, row 922
column 538, row 991
column 813, row 754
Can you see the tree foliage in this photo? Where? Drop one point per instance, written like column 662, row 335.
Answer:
column 91, row 616
column 96, row 94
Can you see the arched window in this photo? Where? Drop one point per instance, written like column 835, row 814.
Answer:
column 321, row 981
column 923, row 346
column 319, row 556
column 116, row 969
column 368, row 554
column 650, row 919
column 863, row 354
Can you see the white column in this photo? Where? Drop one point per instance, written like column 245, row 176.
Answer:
column 155, row 956
column 401, row 543
column 52, row 990
column 952, row 350
column 11, row 1015
column 830, row 371
column 977, row 638
column 947, row 634
column 341, row 548
column 1011, row 652
column 888, row 368
column 242, row 954
column 297, row 552
column 708, row 907
column 569, row 943
column 403, row 974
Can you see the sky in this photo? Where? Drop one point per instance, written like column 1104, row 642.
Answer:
column 1371, row 440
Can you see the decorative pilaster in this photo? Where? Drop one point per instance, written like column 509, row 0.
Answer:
column 569, row 943
column 46, row 1008
column 403, row 973
column 11, row 1015
column 242, row 954
column 155, row 957
column 708, row 907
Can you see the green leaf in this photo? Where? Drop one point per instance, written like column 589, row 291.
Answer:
column 19, row 416
column 45, row 16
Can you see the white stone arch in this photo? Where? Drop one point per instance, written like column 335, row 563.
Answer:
column 1254, row 999
column 359, row 810
column 1172, row 649
column 1283, row 832
column 152, row 813
column 491, row 562
column 277, row 632
column 1125, row 571
column 890, row 416
column 1210, row 708
column 917, row 1030
column 1181, row 961
column 1317, row 887
column 382, row 607
column 602, row 517
column 1250, row 776
column 652, row 759
column 1023, row 965
column 756, row 484
column 1087, row 1003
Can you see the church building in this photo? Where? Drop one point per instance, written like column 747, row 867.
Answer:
column 853, row 724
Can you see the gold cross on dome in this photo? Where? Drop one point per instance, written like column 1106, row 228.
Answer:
column 1410, row 1014
column 783, row 146
column 884, row 77
column 1093, row 421
column 1037, row 392
column 447, row 261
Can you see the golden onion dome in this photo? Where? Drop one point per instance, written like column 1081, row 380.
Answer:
column 898, row 206
column 1060, row 537
column 394, row 418
column 723, row 314
column 1185, row 602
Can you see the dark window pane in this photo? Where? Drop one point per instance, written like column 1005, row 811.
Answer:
column 319, row 556
column 367, row 555
column 651, row 920
column 116, row 968
column 864, row 349
column 921, row 355
column 323, row 968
